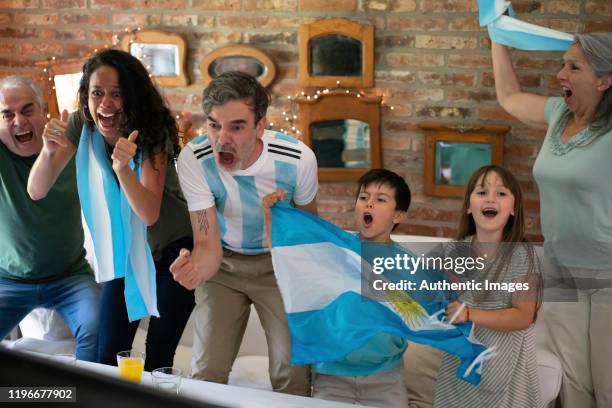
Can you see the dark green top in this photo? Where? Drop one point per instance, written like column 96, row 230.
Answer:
column 173, row 222
column 39, row 240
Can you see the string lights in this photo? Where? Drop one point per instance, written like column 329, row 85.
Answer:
column 290, row 116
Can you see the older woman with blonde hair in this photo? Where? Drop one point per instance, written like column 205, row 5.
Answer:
column 573, row 170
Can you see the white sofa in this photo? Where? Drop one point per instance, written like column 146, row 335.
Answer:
column 251, row 366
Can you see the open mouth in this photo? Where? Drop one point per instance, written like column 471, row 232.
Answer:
column 489, row 212
column 24, row 137
column 367, row 220
column 227, row 159
column 109, row 120
column 567, row 93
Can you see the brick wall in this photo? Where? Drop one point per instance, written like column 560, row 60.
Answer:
column 432, row 63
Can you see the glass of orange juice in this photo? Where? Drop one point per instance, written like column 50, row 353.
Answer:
column 131, row 365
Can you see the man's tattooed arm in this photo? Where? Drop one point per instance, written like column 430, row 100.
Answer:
column 203, row 221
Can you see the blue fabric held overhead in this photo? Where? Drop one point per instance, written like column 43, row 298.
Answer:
column 505, row 29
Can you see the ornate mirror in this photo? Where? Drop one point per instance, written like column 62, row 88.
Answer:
column 336, row 50
column 163, row 54
column 161, row 60
column 342, row 143
column 63, row 80
column 343, row 130
column 453, row 153
column 238, row 58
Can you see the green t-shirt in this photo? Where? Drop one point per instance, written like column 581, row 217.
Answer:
column 39, row 240
column 173, row 222
column 575, row 194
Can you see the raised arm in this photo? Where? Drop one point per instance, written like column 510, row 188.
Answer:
column 526, row 107
column 190, row 269
column 56, row 153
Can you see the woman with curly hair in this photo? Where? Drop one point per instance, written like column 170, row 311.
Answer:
column 123, row 142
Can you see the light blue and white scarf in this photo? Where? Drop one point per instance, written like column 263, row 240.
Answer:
column 119, row 236
column 507, row 30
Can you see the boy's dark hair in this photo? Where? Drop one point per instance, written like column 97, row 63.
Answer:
column 393, row 180
column 236, row 85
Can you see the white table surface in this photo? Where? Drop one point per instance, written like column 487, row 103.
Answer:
column 227, row 395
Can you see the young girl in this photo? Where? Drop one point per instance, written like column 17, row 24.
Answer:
column 492, row 226
column 124, row 138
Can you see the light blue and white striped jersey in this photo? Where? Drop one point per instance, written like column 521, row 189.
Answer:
column 285, row 163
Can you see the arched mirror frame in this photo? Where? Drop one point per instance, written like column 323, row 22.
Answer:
column 160, row 37
column 58, row 67
column 362, row 33
column 435, row 132
column 340, row 105
column 239, row 51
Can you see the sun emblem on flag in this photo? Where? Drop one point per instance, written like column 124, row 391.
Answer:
column 411, row 312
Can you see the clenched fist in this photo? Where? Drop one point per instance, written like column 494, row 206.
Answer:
column 183, row 270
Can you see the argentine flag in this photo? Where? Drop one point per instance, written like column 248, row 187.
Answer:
column 119, row 237
column 504, row 29
column 318, row 270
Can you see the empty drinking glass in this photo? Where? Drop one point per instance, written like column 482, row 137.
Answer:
column 167, row 379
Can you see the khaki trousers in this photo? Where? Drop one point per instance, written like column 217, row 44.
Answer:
column 221, row 313
column 580, row 334
column 385, row 390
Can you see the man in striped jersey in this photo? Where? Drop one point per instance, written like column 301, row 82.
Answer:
column 224, row 174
